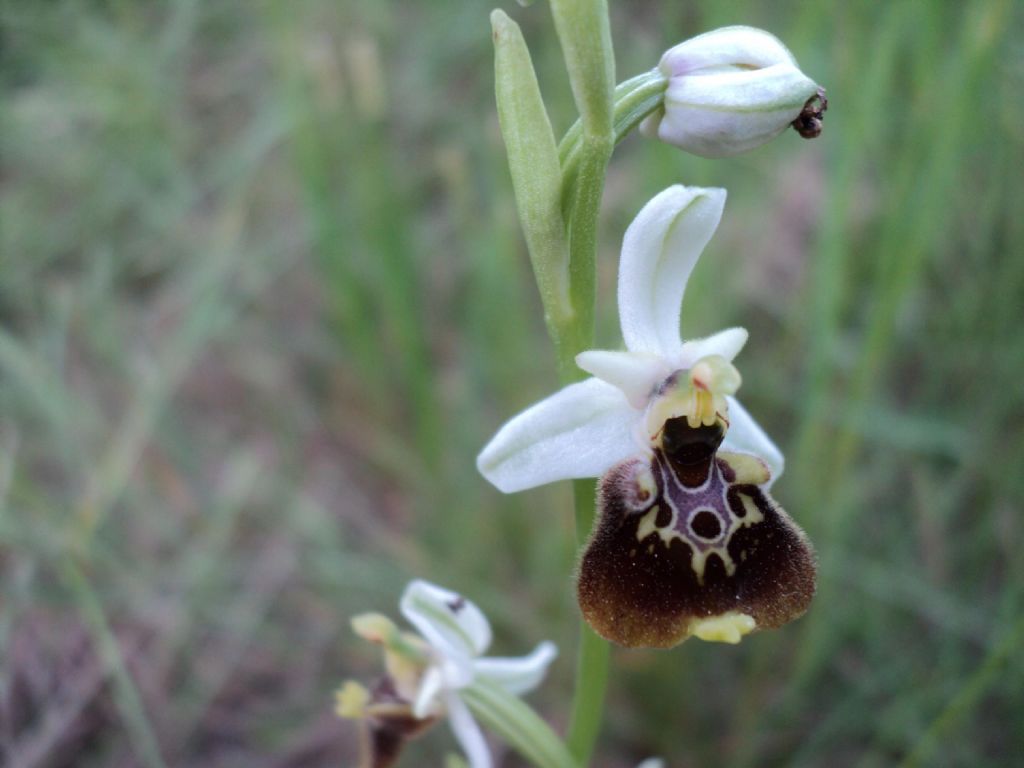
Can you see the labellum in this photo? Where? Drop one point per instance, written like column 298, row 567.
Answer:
column 388, row 723
column 689, row 542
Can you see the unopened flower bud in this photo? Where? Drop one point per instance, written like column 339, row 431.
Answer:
column 730, row 90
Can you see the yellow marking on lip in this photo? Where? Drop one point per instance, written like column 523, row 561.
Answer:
column 753, row 513
column 646, row 485
column 698, row 560
column 647, row 526
column 748, row 469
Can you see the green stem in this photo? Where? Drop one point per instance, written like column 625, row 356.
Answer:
column 634, row 99
column 588, row 701
column 583, row 222
column 584, row 155
column 592, row 660
column 628, row 98
column 585, row 35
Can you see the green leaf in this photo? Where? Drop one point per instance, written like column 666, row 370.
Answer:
column 515, row 722
column 536, row 174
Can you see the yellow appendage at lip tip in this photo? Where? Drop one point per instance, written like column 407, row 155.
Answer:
column 727, row 628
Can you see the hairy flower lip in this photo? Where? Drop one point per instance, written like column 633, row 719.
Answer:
column 689, row 543
column 587, row 427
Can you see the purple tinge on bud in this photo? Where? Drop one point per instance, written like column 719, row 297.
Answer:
column 730, row 90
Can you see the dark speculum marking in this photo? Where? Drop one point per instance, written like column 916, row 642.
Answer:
column 706, row 525
column 690, row 551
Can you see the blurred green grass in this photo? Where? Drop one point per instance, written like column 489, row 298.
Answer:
column 263, row 297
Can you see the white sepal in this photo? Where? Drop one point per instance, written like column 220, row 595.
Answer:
column 580, row 431
column 452, row 625
column 727, row 344
column 430, row 686
column 636, row 374
column 468, row 733
column 659, row 251
column 518, row 675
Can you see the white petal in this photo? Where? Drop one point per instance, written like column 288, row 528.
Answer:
column 659, row 251
column 430, row 687
column 468, row 733
column 746, row 47
column 636, row 374
column 726, row 113
column 727, row 343
column 652, row 762
column 580, row 431
column 746, row 436
column 517, row 676
column 452, row 625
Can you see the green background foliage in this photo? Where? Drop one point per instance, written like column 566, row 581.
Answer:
column 263, row 298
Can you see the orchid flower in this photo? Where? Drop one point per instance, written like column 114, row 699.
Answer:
column 731, row 90
column 688, row 541
column 426, row 673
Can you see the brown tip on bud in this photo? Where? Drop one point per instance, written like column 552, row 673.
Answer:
column 811, row 118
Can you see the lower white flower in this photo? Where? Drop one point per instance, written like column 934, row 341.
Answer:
column 458, row 635
column 427, row 671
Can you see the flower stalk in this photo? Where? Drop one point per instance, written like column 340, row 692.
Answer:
column 633, row 101
column 584, row 33
column 562, row 239
column 593, row 651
